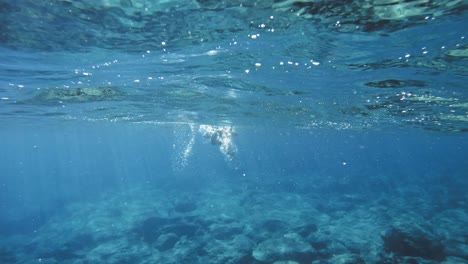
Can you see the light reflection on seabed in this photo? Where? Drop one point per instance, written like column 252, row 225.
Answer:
column 185, row 135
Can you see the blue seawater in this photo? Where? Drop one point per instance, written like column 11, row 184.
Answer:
column 201, row 131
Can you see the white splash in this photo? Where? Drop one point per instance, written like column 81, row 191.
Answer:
column 222, row 136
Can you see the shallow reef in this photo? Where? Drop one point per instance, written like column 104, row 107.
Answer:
column 424, row 108
column 369, row 15
column 233, row 224
column 87, row 94
column 393, row 83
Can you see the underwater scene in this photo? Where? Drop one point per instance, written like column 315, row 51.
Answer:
column 233, row 132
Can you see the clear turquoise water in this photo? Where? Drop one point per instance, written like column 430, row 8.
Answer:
column 350, row 116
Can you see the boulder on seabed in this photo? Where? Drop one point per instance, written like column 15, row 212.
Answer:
column 166, row 241
column 290, row 247
column 185, row 207
column 286, row 262
column 413, row 242
column 87, row 94
column 346, row 259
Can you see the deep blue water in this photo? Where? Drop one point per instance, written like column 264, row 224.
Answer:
column 233, row 132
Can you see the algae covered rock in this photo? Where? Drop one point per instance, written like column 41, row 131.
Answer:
column 79, row 94
column 166, row 241
column 413, row 242
column 346, row 259
column 185, row 207
column 290, row 247
column 393, row 83
column 286, row 262
column 369, row 15
column 461, row 52
column 234, row 251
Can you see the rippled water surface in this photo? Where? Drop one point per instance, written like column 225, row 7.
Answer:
column 335, row 125
column 306, row 63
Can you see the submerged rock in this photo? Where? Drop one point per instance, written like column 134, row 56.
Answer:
column 306, row 230
column 461, row 52
column 61, row 249
column 392, row 83
column 272, row 226
column 149, row 230
column 183, row 229
column 286, row 262
column 225, row 232
column 430, row 112
column 346, row 259
column 185, row 207
column 413, row 242
column 79, row 94
column 234, row 251
column 369, row 15
column 290, row 247
column 7, row 256
column 166, row 241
